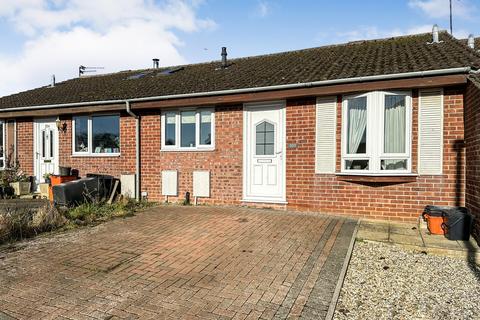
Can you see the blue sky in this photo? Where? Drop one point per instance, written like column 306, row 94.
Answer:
column 44, row 37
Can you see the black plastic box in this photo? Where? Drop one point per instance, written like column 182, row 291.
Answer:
column 458, row 224
column 75, row 192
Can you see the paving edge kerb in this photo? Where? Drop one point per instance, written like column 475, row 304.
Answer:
column 343, row 273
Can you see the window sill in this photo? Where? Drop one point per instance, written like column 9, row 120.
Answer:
column 188, row 150
column 95, row 155
column 377, row 178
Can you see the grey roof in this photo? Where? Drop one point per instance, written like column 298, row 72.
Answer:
column 475, row 78
column 355, row 59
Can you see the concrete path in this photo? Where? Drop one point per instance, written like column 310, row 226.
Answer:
column 416, row 236
column 180, row 263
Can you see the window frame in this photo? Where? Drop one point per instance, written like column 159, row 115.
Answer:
column 376, row 134
column 89, row 153
column 178, row 137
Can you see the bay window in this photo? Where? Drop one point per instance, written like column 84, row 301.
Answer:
column 189, row 129
column 376, row 130
column 96, row 135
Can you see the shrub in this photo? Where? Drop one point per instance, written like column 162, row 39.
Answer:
column 12, row 172
column 21, row 223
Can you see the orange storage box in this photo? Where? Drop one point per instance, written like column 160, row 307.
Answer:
column 435, row 217
column 435, row 224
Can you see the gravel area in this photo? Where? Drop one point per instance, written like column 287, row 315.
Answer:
column 389, row 282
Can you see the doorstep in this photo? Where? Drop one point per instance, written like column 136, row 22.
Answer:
column 415, row 236
column 35, row 195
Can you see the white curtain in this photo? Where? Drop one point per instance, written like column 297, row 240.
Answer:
column 357, row 123
column 394, row 124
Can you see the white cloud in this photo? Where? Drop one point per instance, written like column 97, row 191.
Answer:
column 118, row 35
column 441, row 8
column 373, row 32
column 369, row 32
column 263, row 9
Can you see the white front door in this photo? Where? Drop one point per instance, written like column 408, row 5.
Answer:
column 264, row 152
column 45, row 148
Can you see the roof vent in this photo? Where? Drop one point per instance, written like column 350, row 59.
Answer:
column 435, row 38
column 471, row 41
column 155, row 63
column 52, row 83
column 224, row 57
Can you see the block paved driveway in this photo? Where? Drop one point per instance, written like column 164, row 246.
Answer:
column 174, row 262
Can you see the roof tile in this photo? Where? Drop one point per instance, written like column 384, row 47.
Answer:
column 355, row 59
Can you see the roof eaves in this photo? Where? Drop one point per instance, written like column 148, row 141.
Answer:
column 416, row 74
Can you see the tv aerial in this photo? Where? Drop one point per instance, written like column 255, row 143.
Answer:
column 82, row 70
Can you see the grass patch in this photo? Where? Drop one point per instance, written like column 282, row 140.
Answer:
column 101, row 211
column 21, row 223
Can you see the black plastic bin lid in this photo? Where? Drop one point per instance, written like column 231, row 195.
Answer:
column 437, row 211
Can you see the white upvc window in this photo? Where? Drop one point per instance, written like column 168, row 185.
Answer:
column 376, row 133
column 188, row 129
column 96, row 135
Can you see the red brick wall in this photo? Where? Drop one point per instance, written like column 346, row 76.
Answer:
column 116, row 165
column 305, row 189
column 396, row 201
column 25, row 145
column 472, row 140
column 224, row 163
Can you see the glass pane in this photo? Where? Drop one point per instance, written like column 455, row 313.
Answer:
column 393, row 164
column 206, row 127
column 81, row 134
column 265, row 139
column 260, row 138
column 357, row 125
column 356, row 164
column 261, row 127
column 43, row 143
column 269, row 137
column 170, row 124
column 187, row 129
column 260, row 150
column 395, row 121
column 51, row 143
column 106, row 134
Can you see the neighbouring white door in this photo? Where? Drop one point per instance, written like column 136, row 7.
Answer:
column 46, row 148
column 264, row 152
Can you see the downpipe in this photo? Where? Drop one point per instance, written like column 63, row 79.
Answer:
column 137, row 149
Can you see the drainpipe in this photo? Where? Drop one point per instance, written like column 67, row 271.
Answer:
column 137, row 149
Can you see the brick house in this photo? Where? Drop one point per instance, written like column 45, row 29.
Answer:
column 370, row 128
